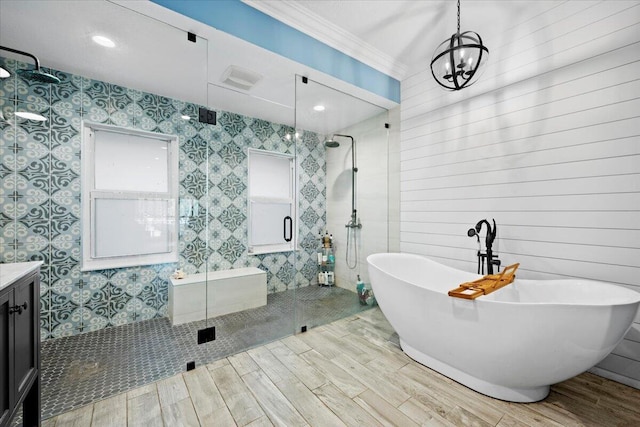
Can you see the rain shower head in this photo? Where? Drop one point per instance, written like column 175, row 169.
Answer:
column 35, row 75
column 38, row 76
column 331, row 143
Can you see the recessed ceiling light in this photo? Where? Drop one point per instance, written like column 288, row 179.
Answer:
column 103, row 41
column 4, row 73
column 319, row 108
column 185, row 117
column 31, row 116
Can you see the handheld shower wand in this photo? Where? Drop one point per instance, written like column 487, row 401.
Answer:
column 472, row 232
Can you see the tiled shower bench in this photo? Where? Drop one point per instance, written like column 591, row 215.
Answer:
column 215, row 293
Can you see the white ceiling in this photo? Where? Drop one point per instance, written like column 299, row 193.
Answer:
column 152, row 53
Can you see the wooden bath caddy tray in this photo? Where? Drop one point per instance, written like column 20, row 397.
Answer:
column 485, row 285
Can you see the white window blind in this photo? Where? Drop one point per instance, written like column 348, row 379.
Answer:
column 129, row 197
column 272, row 201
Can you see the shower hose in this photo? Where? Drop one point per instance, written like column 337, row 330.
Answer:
column 351, row 234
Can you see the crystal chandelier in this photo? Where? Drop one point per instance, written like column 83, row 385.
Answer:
column 457, row 61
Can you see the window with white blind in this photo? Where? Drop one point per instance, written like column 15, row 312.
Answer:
column 129, row 197
column 272, row 202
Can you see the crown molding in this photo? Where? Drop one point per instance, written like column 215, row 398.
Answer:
column 295, row 15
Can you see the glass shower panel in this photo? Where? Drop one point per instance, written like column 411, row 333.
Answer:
column 252, row 171
column 103, row 331
column 342, row 153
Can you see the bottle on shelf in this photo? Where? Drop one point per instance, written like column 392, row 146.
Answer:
column 326, row 240
column 326, row 260
column 330, row 278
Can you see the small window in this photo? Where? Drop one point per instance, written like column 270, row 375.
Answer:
column 129, row 197
column 271, row 202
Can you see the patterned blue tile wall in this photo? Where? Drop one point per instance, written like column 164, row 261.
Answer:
column 40, row 197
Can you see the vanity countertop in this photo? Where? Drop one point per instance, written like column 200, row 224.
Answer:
column 9, row 273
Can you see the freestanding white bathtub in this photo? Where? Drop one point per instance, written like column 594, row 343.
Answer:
column 511, row 344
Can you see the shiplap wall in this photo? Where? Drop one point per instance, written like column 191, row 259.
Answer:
column 548, row 144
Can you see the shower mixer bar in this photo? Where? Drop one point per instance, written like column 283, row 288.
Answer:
column 354, row 222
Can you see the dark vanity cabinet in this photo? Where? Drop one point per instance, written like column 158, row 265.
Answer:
column 20, row 346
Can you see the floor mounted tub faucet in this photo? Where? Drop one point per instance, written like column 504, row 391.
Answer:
column 490, row 237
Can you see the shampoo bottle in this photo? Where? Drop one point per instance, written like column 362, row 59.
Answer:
column 331, row 258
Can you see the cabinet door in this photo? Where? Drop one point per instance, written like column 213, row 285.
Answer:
column 6, row 358
column 26, row 343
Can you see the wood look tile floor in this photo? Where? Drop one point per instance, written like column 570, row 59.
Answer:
column 348, row 373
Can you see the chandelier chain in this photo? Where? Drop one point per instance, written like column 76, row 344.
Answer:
column 458, row 16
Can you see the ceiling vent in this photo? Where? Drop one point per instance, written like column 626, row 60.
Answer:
column 240, row 78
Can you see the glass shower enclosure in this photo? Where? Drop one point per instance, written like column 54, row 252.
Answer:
column 342, row 153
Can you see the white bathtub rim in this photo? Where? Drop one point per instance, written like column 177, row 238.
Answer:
column 518, row 395
column 633, row 295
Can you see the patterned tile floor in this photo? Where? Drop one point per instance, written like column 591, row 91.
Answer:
column 84, row 368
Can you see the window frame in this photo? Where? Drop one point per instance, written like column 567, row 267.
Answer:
column 292, row 200
column 89, row 195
